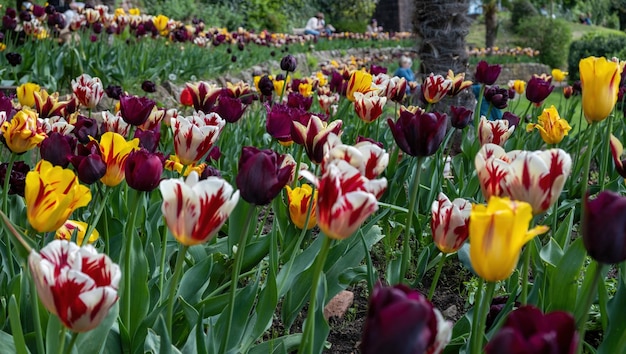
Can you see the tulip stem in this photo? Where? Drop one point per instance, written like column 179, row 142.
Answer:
column 479, row 101
column 62, row 339
column 524, row 275
column 475, row 315
column 485, row 303
column 605, row 152
column 136, row 201
column 406, row 244
column 36, row 318
column 433, row 285
column 163, row 257
column 235, row 276
column 180, row 259
column 5, row 201
column 298, row 162
column 308, row 337
column 582, row 313
column 68, row 350
column 96, row 216
column 585, row 181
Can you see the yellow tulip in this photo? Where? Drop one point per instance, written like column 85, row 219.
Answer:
column 160, row 22
column 519, row 86
column 497, row 233
column 26, row 93
column 306, row 89
column 22, row 133
column 360, row 81
column 558, row 75
column 279, row 84
column 134, row 11
column 600, row 82
column 66, row 231
column 52, row 193
column 115, row 149
column 174, row 164
column 321, row 78
column 552, row 127
column 299, row 199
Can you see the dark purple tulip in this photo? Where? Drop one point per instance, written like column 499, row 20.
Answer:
column 419, row 134
column 279, row 118
column 97, row 27
column 297, row 100
column 460, row 117
column 25, row 16
column 148, row 139
column 58, row 149
column 261, row 177
column 487, row 74
column 266, row 86
column 114, row 91
column 512, row 118
column 288, row 63
column 50, row 9
column 14, row 58
column 17, row 180
column 148, row 86
column 6, row 106
column 8, row 23
column 85, row 128
column 88, row 163
column 229, row 108
column 181, row 35
column 538, row 89
column 210, row 171
column 143, row 170
column 57, row 20
column 527, row 330
column 375, row 69
column 140, row 31
column 400, row 321
column 135, row 110
column 11, row 12
column 338, row 83
column 577, row 88
column 496, row 96
column 93, row 38
column 38, row 10
column 604, row 227
column 214, row 154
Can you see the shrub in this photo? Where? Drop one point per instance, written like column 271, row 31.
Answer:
column 522, row 10
column 551, row 37
column 596, row 44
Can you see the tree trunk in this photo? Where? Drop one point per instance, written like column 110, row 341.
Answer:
column 491, row 23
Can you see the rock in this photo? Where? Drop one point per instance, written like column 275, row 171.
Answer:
column 339, row 304
column 450, row 312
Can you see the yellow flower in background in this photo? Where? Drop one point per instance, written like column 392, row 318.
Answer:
column 299, row 199
column 279, row 84
column 119, row 12
column 551, row 126
column 321, row 79
column 600, row 82
column 306, row 89
column 134, row 11
column 22, row 133
column 115, row 149
column 519, row 86
column 51, row 194
column 2, row 47
column 26, row 93
column 174, row 164
column 66, row 231
column 360, row 81
column 160, row 22
column 558, row 75
column 497, row 233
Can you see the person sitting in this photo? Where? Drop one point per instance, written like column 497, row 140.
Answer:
column 373, row 27
column 405, row 71
column 316, row 25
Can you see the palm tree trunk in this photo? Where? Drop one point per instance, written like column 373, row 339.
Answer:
column 491, row 23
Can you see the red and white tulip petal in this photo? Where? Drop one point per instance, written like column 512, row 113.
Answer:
column 347, row 214
column 495, row 132
column 616, row 151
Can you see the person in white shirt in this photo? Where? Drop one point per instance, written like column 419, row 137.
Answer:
column 316, row 25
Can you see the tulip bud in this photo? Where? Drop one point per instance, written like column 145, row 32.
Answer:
column 143, row 170
column 289, row 63
column 136, row 110
column 261, row 177
column 419, row 133
column 604, row 227
column 460, row 117
column 539, row 88
column 13, row 58
column 487, row 74
column 58, row 148
column 114, row 91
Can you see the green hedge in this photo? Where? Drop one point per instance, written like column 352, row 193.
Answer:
column 549, row 36
column 596, row 44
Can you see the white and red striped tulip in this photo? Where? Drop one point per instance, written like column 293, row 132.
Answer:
column 326, row 101
column 77, row 284
column 115, row 123
column 370, row 159
column 492, row 166
column 494, row 131
column 435, row 88
column 369, row 106
column 450, row 222
column 617, row 149
column 88, row 90
column 195, row 135
column 314, row 136
column 196, row 210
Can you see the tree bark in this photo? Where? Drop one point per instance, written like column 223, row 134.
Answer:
column 491, row 23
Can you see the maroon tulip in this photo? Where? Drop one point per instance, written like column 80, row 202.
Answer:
column 487, row 74
column 148, row 85
column 375, row 69
column 279, row 120
column 114, row 91
column 401, row 321
column 85, row 128
column 538, row 89
column 229, row 108
column 17, row 180
column 135, row 110
column 338, row 83
column 512, row 118
column 261, row 175
column 297, row 100
column 419, row 133
column 497, row 96
column 604, row 227
column 58, row 149
column 210, row 171
column 14, row 58
column 460, row 117
column 266, row 86
column 148, row 139
column 143, row 170
column 88, row 163
column 288, row 63
column 527, row 330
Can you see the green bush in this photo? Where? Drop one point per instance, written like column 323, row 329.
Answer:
column 522, row 10
column 596, row 44
column 551, row 37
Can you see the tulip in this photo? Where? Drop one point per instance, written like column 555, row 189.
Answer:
column 88, row 163
column 299, row 200
column 396, row 89
column 558, row 75
column 604, row 226
column 196, row 210
column 487, row 74
column 185, row 97
column 326, row 101
column 539, row 88
column 360, row 81
column 22, row 133
column 75, row 283
column 551, row 127
column 369, row 106
column 114, row 123
column 195, row 135
column 14, row 58
column 518, row 86
column 494, row 131
column 135, row 110
column 203, row 95
column 369, row 158
column 265, row 85
column 85, row 129
column 148, row 86
column 306, row 89
column 527, row 330
column 450, row 223
column 160, row 22
column 114, row 91
column 49, row 106
column 114, row 150
column 66, row 232
column 346, row 198
column 231, row 109
column 419, row 133
column 26, row 92
column 435, row 88
column 51, row 195
column 314, row 135
column 148, row 139
column 458, row 83
column 460, row 117
column 497, row 233
column 88, row 90
column 297, row 100
column 568, row 91
column 600, row 81
column 174, row 164
column 261, row 175
column 511, row 118
column 288, row 63
column 155, row 117
column 497, row 96
column 143, row 170
column 58, row 149
column 376, row 69
column 617, row 150
column 279, row 84
column 402, row 321
column 17, row 178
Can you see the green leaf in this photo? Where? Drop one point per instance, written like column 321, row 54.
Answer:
column 551, row 253
column 194, row 281
column 16, row 327
column 563, row 283
column 93, row 342
column 562, row 235
column 53, row 332
column 285, row 344
column 6, row 343
column 244, row 301
column 615, row 336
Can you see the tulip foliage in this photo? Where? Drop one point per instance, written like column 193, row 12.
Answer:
column 135, row 224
